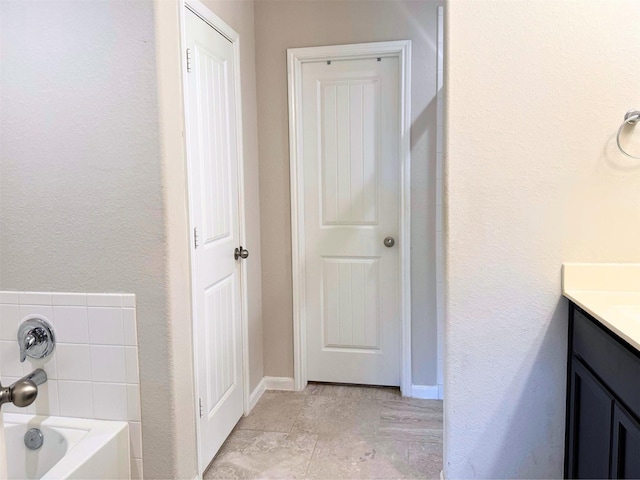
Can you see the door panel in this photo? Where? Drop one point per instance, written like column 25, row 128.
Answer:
column 590, row 424
column 625, row 461
column 214, row 212
column 351, row 169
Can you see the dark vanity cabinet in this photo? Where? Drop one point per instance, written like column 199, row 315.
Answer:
column 603, row 402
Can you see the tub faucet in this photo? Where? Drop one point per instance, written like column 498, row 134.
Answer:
column 24, row 391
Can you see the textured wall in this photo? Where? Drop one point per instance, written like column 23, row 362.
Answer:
column 285, row 24
column 534, row 98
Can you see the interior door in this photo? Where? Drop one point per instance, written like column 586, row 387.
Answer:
column 351, row 163
column 214, row 205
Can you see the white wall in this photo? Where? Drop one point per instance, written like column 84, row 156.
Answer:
column 535, row 93
column 298, row 23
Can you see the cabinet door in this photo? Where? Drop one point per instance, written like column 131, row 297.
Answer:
column 625, row 458
column 590, row 414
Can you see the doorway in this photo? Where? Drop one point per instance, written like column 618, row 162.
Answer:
column 349, row 117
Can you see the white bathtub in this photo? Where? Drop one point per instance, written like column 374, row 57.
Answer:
column 73, row 448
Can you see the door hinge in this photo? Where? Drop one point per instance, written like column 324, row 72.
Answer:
column 201, row 409
column 195, row 237
column 188, row 60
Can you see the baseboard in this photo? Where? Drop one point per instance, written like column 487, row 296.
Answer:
column 427, row 392
column 278, row 383
column 256, row 395
column 442, row 477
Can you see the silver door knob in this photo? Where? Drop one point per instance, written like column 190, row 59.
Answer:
column 389, row 242
column 240, row 253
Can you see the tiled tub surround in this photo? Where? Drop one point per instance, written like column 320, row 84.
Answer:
column 93, row 371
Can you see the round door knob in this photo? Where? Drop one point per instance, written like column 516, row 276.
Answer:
column 389, row 242
column 240, row 253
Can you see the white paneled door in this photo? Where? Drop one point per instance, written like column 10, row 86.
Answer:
column 214, row 204
column 352, row 172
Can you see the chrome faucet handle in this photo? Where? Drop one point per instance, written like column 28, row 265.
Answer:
column 35, row 338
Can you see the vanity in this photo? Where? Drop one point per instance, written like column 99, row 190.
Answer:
column 602, row 437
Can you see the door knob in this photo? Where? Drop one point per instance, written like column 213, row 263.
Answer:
column 389, row 242
column 240, row 253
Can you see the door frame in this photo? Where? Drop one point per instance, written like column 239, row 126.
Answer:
column 296, row 57
column 230, row 34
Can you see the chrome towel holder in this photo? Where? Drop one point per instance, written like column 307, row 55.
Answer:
column 630, row 118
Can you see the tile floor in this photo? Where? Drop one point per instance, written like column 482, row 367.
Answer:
column 334, row 432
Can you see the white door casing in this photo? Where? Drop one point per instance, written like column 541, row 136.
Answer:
column 349, row 135
column 214, row 160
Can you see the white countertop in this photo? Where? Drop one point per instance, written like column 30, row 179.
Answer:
column 610, row 292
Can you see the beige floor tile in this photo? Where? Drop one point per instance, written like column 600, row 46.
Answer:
column 382, row 393
column 361, row 432
column 411, row 421
column 332, row 416
column 426, row 458
column 346, row 391
column 275, row 412
column 349, row 457
column 248, row 454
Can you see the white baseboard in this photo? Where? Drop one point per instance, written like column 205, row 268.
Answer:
column 427, row 392
column 256, row 395
column 278, row 383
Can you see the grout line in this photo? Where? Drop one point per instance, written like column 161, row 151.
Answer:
column 306, row 472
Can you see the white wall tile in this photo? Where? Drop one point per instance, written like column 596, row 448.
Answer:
column 131, row 362
column 128, row 300
column 73, row 362
column 137, row 472
column 9, row 298
column 106, row 326
column 34, row 298
column 108, row 364
column 69, row 299
column 129, row 320
column 110, row 401
column 9, row 318
column 10, row 359
column 47, row 402
column 135, row 434
column 133, row 403
column 45, row 311
column 104, row 300
column 76, row 399
column 48, row 364
column 70, row 324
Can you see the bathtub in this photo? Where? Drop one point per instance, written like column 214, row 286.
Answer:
column 72, row 448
